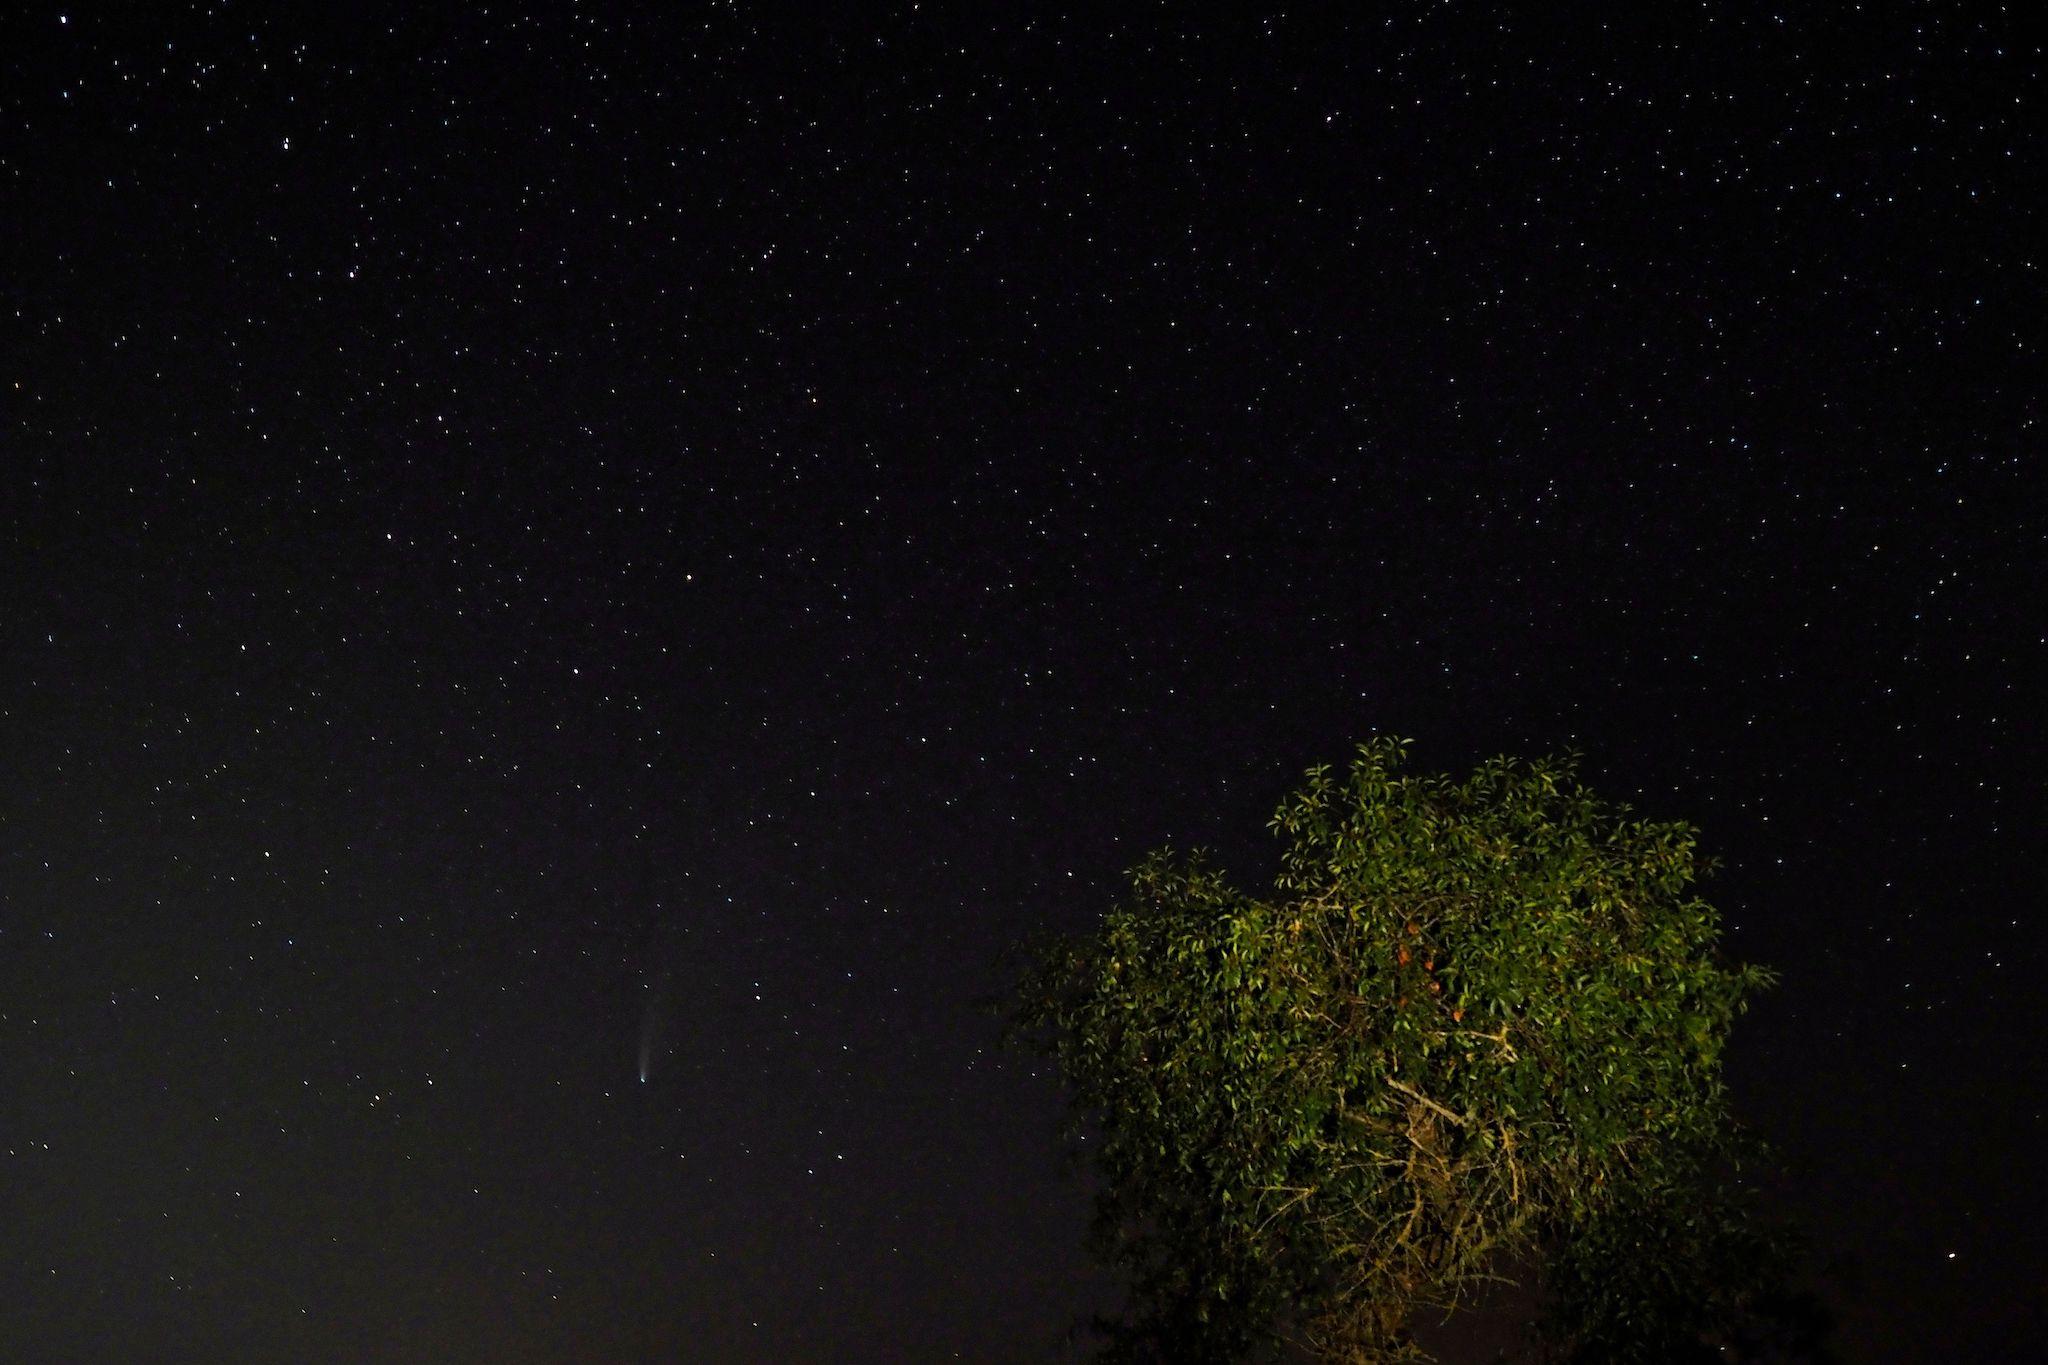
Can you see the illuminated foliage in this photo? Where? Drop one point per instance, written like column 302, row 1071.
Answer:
column 1468, row 1013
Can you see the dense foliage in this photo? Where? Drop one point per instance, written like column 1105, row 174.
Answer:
column 1468, row 1015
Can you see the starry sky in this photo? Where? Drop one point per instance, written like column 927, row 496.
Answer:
column 571, row 578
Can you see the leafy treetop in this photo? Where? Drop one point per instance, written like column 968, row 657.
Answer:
column 1468, row 1014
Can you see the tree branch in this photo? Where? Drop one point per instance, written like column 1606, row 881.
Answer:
column 1426, row 1101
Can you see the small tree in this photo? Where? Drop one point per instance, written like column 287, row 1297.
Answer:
column 1468, row 1017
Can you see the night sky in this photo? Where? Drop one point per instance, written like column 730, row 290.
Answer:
column 534, row 546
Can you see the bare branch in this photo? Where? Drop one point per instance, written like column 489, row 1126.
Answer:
column 1425, row 1100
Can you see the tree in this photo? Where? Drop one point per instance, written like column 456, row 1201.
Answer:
column 1471, row 1018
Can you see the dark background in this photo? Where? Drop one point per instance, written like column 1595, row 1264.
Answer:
column 520, row 531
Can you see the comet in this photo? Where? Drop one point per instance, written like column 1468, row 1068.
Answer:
column 650, row 1022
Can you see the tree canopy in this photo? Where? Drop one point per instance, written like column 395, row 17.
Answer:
column 1469, row 1018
